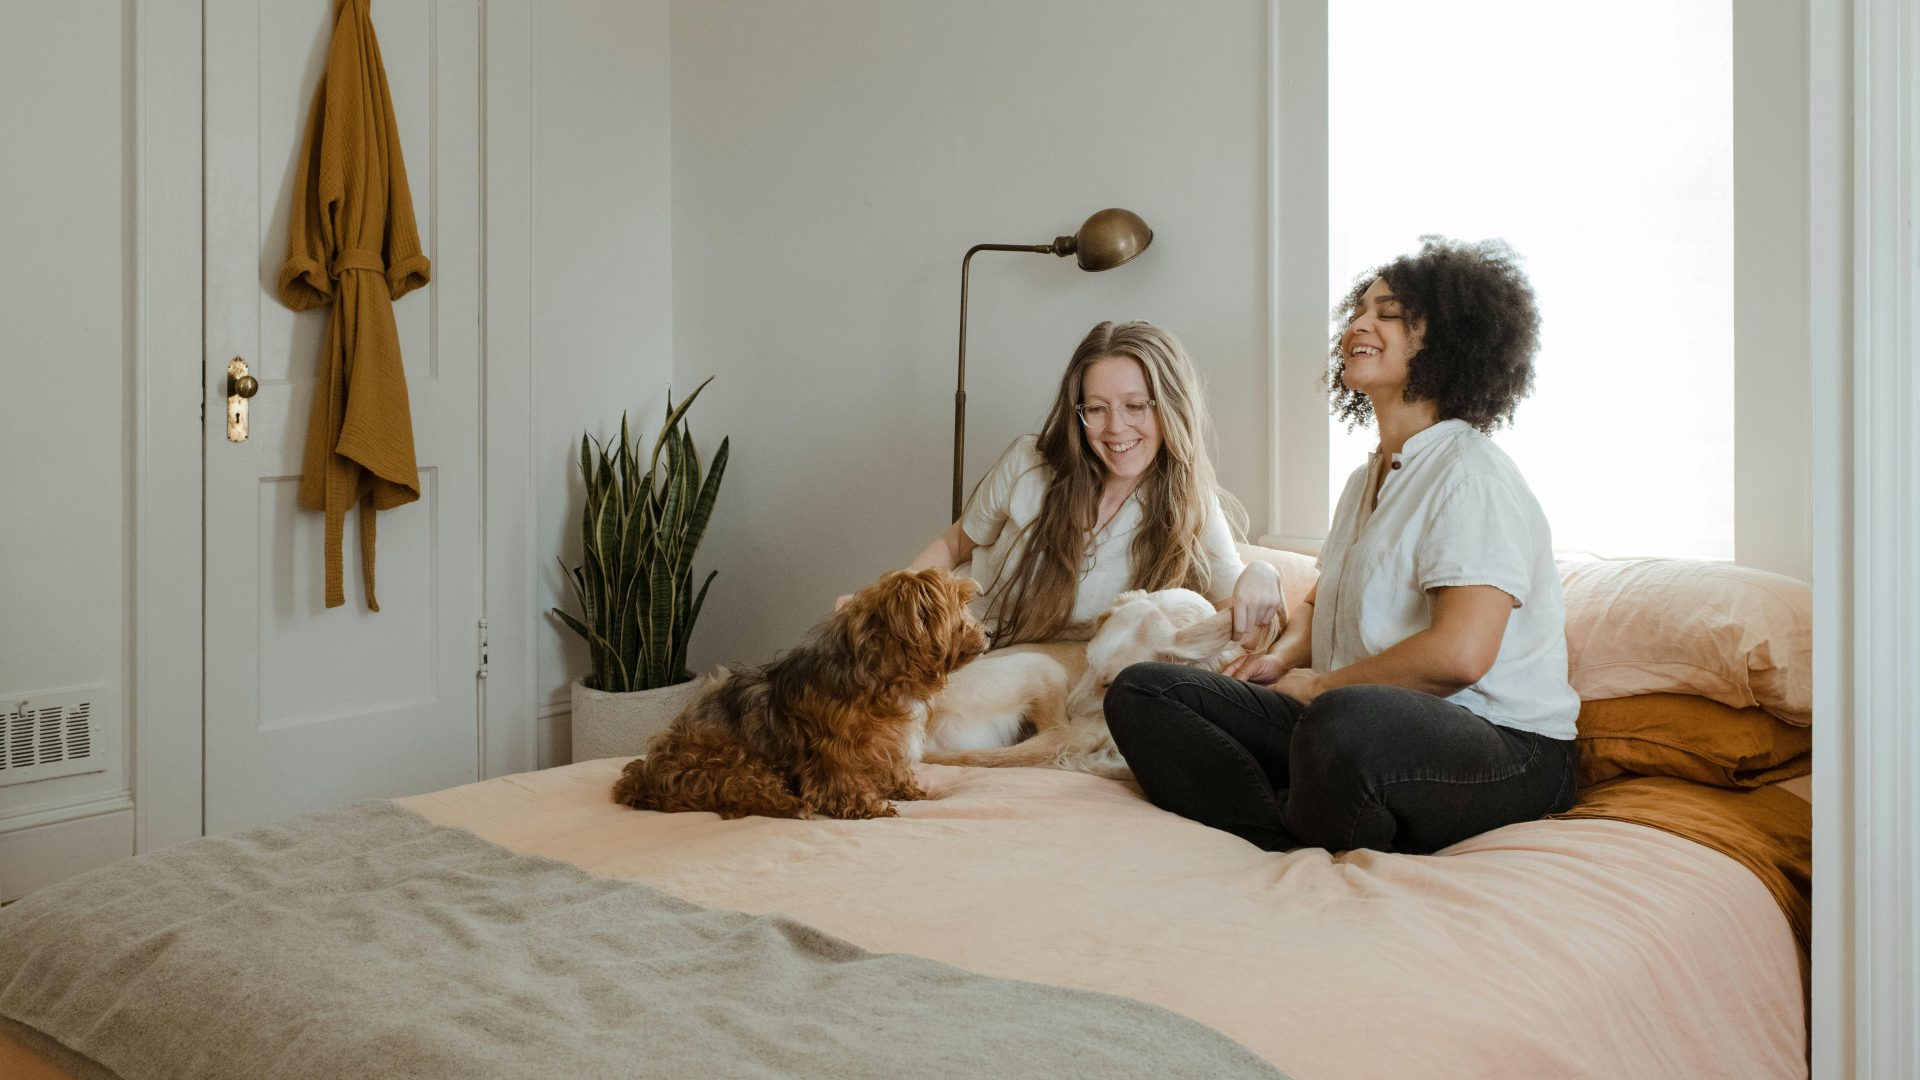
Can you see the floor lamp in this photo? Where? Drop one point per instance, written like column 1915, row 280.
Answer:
column 1106, row 240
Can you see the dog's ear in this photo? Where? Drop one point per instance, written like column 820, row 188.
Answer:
column 1119, row 602
column 938, row 595
column 1200, row 642
column 916, row 605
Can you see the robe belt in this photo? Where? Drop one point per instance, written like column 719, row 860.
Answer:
column 356, row 259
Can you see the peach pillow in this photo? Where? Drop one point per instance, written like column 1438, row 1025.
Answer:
column 1739, row 636
column 1691, row 738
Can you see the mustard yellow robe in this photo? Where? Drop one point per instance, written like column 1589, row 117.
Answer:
column 353, row 243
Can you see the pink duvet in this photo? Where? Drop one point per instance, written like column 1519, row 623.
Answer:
column 1548, row 949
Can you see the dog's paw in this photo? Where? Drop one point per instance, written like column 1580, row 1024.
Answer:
column 867, row 811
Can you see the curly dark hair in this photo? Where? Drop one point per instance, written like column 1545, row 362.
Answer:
column 1482, row 331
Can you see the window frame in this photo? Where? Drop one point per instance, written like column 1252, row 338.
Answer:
column 1773, row 429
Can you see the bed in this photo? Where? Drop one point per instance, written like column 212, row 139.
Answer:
column 1022, row 922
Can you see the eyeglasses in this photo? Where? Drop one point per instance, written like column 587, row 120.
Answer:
column 1101, row 415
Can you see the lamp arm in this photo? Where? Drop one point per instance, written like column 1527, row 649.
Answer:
column 960, row 386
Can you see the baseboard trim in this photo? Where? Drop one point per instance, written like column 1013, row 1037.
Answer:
column 35, row 857
column 34, row 817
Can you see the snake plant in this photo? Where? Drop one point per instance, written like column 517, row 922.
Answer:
column 638, row 533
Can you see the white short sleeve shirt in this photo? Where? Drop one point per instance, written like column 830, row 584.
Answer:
column 1008, row 500
column 1453, row 510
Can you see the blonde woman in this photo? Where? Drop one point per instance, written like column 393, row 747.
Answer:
column 1116, row 492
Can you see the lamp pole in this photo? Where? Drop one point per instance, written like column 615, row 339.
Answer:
column 960, row 390
column 1105, row 240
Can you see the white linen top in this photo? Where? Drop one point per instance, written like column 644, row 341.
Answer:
column 1008, row 500
column 1453, row 510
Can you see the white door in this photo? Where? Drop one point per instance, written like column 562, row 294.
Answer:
column 308, row 707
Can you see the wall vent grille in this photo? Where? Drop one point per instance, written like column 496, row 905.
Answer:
column 49, row 734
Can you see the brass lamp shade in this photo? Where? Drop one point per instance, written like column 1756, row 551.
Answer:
column 1107, row 239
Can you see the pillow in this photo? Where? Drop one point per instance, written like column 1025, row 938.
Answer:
column 1739, row 636
column 1691, row 738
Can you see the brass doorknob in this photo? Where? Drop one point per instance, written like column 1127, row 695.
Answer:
column 240, row 387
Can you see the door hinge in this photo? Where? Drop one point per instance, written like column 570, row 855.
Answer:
column 482, row 673
column 203, row 391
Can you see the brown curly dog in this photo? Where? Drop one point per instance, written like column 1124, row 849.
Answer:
column 832, row 727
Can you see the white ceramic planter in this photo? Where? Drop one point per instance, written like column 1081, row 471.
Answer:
column 620, row 725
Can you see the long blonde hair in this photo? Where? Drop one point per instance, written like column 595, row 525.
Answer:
column 1043, row 567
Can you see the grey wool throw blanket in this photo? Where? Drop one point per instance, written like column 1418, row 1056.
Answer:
column 366, row 941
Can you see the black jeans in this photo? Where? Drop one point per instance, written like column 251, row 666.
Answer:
column 1362, row 767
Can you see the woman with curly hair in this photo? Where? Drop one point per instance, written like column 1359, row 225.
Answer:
column 1116, row 492
column 1422, row 696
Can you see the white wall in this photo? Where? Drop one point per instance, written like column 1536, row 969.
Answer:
column 65, row 354
column 602, row 312
column 832, row 162
column 1773, row 380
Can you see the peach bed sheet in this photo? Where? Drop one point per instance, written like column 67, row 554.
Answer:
column 1545, row 949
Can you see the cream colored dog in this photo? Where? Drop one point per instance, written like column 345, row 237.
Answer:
column 989, row 703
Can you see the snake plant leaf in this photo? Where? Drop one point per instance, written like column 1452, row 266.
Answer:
column 703, row 507
column 575, row 625
column 586, row 478
column 627, row 593
column 689, row 494
column 596, row 646
column 673, row 419
column 669, row 501
column 660, row 622
column 665, row 535
column 628, row 466
column 693, row 612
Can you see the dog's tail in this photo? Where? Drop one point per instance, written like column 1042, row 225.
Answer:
column 704, row 770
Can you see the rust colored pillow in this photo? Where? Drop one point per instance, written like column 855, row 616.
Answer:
column 1692, row 738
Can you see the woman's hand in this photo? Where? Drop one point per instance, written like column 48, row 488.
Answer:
column 1300, row 684
column 1262, row 668
column 841, row 600
column 1256, row 600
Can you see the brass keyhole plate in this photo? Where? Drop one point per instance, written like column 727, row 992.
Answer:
column 240, row 387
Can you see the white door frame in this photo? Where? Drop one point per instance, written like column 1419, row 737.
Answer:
column 167, row 700
column 511, row 564
column 1864, row 188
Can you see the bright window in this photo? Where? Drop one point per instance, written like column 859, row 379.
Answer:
column 1598, row 141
